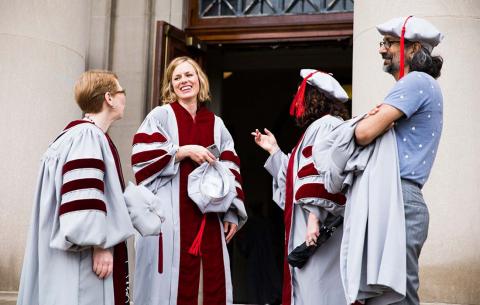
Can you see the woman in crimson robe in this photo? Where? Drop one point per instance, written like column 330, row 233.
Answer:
column 190, row 255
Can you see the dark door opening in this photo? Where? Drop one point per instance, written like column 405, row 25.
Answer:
column 253, row 86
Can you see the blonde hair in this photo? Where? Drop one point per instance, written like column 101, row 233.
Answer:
column 91, row 88
column 168, row 94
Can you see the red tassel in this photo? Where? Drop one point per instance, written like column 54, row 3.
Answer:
column 160, row 253
column 402, row 49
column 297, row 108
column 195, row 247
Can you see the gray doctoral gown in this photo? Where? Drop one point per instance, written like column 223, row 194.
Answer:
column 318, row 282
column 78, row 204
column 165, row 272
column 372, row 262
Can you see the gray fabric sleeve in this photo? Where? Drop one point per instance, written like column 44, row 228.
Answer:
column 154, row 148
column 319, row 212
column 276, row 162
column 237, row 213
column 276, row 165
column 86, row 224
column 318, row 205
column 231, row 216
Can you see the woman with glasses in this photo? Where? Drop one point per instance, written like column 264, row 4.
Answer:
column 190, row 255
column 76, row 252
column 298, row 189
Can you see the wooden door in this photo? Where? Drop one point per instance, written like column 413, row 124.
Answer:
column 172, row 42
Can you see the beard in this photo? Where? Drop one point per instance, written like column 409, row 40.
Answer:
column 391, row 63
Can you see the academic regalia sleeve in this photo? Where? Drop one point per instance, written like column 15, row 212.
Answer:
column 310, row 191
column 276, row 165
column 83, row 210
column 153, row 152
column 337, row 157
column 228, row 157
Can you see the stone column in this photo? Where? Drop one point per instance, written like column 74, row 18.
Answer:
column 131, row 56
column 42, row 53
column 98, row 54
column 450, row 260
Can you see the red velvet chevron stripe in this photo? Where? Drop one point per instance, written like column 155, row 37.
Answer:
column 307, row 151
column 240, row 194
column 237, row 175
column 82, row 204
column 144, row 138
column 228, row 155
column 317, row 190
column 80, row 184
column 151, row 169
column 307, row 170
column 83, row 164
column 148, row 155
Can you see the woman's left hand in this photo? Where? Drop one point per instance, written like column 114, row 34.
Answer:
column 230, row 230
column 102, row 262
column 313, row 230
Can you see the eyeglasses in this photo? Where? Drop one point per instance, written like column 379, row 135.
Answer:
column 111, row 93
column 388, row 43
column 119, row 91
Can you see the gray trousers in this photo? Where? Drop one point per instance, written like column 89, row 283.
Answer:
column 416, row 229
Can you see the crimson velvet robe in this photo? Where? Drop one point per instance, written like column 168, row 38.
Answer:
column 166, row 273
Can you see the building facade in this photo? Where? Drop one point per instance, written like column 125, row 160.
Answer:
column 252, row 51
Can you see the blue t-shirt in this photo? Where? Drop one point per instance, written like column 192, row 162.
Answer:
column 419, row 97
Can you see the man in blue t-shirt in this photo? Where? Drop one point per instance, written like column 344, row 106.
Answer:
column 414, row 108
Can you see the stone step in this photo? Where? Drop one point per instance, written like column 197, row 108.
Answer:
column 10, row 298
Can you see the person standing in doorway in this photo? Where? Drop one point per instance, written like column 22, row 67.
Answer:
column 188, row 264
column 414, row 107
column 298, row 189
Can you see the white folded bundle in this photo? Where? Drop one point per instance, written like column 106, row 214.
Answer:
column 212, row 187
column 144, row 209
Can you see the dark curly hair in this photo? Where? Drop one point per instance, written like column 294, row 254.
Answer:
column 423, row 61
column 318, row 104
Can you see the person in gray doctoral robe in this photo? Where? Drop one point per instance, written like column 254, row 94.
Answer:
column 299, row 191
column 415, row 106
column 79, row 218
column 372, row 264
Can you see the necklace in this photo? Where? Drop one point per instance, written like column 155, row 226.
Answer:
column 89, row 118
